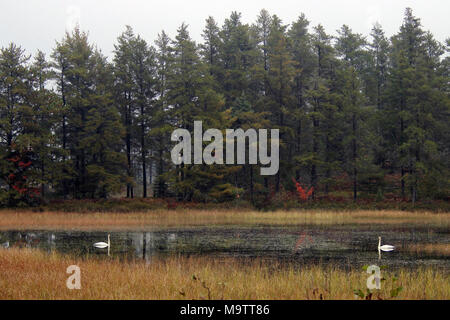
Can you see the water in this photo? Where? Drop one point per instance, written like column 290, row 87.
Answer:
column 345, row 246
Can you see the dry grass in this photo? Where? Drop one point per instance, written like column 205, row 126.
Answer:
column 20, row 219
column 32, row 274
column 441, row 249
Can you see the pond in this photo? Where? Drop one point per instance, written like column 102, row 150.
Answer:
column 344, row 246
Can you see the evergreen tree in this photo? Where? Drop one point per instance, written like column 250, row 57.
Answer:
column 379, row 52
column 60, row 66
column 322, row 110
column 79, row 126
column 92, row 167
column 123, row 85
column 16, row 122
column 161, row 128
column 279, row 82
column 45, row 113
column 416, row 102
column 135, row 71
column 210, row 48
column 237, row 55
column 192, row 97
column 303, row 63
column 350, row 47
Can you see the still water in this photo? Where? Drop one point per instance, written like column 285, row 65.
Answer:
column 345, row 246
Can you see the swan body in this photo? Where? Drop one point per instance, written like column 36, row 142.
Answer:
column 385, row 247
column 102, row 245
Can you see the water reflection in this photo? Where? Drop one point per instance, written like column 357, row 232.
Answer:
column 144, row 245
column 343, row 246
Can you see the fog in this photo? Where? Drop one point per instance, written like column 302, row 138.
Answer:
column 36, row 24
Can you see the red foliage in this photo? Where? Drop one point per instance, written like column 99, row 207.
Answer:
column 19, row 189
column 24, row 165
column 17, row 179
column 172, row 204
column 34, row 192
column 302, row 193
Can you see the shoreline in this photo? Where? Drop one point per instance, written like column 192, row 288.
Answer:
column 25, row 219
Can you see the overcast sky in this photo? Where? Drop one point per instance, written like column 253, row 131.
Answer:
column 36, row 24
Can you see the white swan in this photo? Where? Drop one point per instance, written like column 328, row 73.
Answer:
column 102, row 245
column 385, row 247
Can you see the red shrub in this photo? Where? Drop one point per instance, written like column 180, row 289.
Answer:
column 302, row 193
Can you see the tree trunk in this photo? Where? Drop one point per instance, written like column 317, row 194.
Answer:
column 354, row 156
column 251, row 184
column 143, row 156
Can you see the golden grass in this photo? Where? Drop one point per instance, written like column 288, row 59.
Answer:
column 442, row 249
column 32, row 274
column 21, row 219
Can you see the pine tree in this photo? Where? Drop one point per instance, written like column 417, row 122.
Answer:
column 60, row 66
column 161, row 127
column 93, row 166
column 16, row 121
column 103, row 128
column 279, row 81
column 379, row 51
column 303, row 58
column 211, row 46
column 45, row 112
column 135, row 67
column 123, row 85
column 192, row 97
column 321, row 107
column 237, row 56
column 350, row 47
column 407, row 49
column 418, row 103
column 78, row 126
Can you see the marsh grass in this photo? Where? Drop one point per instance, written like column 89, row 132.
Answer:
column 442, row 249
column 32, row 274
column 20, row 219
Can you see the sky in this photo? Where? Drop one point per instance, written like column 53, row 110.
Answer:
column 37, row 24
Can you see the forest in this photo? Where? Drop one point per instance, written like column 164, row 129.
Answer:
column 360, row 117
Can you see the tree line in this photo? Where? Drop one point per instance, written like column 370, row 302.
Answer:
column 362, row 115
